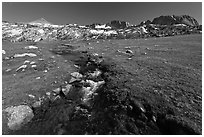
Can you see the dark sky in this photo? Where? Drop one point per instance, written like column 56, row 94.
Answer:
column 88, row 13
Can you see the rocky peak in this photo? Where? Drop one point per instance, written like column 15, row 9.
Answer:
column 171, row 20
column 119, row 24
column 40, row 21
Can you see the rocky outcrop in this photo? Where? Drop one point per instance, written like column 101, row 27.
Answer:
column 119, row 24
column 172, row 20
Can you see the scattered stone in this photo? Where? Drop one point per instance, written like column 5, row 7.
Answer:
column 127, row 47
column 21, row 67
column 33, row 66
column 73, row 80
column 48, row 93
column 154, row 119
column 76, row 66
column 25, row 54
column 95, row 54
column 95, row 85
column 137, row 106
column 7, row 70
column 76, row 76
column 45, row 71
column 3, row 51
column 6, row 58
column 26, row 61
column 52, row 57
column 66, row 89
column 37, row 78
column 129, row 51
column 31, row 47
column 18, row 116
column 57, row 90
column 40, row 59
column 57, row 97
column 32, row 62
column 144, row 53
column 95, row 74
column 31, row 96
column 37, row 104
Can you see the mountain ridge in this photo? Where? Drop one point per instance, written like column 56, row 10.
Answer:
column 161, row 20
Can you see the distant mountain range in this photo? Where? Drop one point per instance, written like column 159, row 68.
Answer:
column 41, row 29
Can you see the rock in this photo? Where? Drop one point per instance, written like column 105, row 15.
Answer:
column 57, row 90
column 89, row 91
column 67, row 89
column 45, row 71
column 18, row 116
column 25, row 54
column 21, row 67
column 95, row 85
column 57, row 97
column 76, row 75
column 129, row 51
column 7, row 70
column 31, row 96
column 6, row 58
column 95, row 74
column 76, row 66
column 31, row 47
column 86, row 93
column 33, row 66
column 32, row 62
column 3, row 51
column 154, row 119
column 74, row 80
column 26, row 61
column 37, row 104
column 137, row 106
column 48, row 93
column 37, row 78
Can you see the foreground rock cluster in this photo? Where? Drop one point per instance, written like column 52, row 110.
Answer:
column 42, row 30
column 83, row 86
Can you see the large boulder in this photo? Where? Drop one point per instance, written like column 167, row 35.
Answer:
column 18, row 116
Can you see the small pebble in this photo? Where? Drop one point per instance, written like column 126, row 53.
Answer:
column 32, row 62
column 45, row 71
column 31, row 96
column 48, row 93
column 154, row 118
column 37, row 78
column 33, row 66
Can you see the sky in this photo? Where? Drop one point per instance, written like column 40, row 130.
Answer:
column 84, row 13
